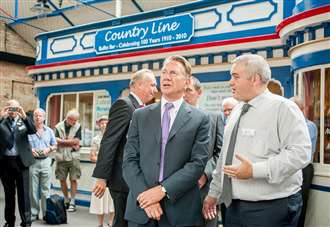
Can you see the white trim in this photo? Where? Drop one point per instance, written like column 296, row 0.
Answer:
column 322, row 100
column 273, row 62
column 301, row 24
column 313, row 67
column 189, row 52
column 309, row 47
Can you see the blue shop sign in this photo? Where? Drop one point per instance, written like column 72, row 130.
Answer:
column 169, row 30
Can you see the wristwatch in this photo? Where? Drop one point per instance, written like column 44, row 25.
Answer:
column 164, row 190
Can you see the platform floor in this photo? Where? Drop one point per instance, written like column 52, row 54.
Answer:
column 80, row 218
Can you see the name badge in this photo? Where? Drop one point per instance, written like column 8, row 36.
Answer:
column 248, row 132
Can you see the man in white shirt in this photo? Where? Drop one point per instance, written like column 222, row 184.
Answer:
column 266, row 144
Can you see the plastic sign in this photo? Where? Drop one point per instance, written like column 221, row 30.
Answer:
column 169, row 30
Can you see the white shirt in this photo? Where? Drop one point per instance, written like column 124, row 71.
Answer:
column 273, row 135
column 173, row 111
column 137, row 99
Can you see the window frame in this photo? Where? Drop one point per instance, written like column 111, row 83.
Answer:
column 299, row 92
column 77, row 93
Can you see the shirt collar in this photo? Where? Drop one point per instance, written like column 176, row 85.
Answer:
column 176, row 103
column 256, row 100
column 137, row 98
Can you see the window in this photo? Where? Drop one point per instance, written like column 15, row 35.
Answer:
column 315, row 86
column 311, row 92
column 91, row 105
column 327, row 117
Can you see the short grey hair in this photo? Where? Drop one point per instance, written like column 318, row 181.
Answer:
column 255, row 64
column 42, row 111
column 73, row 113
column 196, row 83
column 140, row 75
column 229, row 100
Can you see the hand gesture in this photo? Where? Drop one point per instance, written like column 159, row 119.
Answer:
column 241, row 171
column 4, row 112
column 21, row 112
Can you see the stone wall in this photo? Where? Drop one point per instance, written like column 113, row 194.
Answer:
column 14, row 82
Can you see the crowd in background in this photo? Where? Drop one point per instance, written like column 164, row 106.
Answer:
column 170, row 163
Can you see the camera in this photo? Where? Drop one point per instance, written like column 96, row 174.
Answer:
column 13, row 109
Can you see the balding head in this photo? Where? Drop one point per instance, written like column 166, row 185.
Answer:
column 13, row 103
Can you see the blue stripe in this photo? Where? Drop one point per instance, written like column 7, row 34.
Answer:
column 321, row 188
column 311, row 59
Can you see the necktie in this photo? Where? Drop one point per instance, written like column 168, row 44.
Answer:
column 165, row 132
column 227, row 195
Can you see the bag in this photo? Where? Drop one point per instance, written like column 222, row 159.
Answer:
column 55, row 210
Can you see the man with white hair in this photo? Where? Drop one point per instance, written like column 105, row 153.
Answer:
column 228, row 105
column 43, row 142
column 68, row 136
column 266, row 144
column 108, row 168
column 15, row 160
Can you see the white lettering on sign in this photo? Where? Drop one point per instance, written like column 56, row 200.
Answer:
column 164, row 27
column 134, row 32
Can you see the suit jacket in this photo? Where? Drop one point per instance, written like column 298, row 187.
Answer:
column 110, row 156
column 216, row 138
column 22, row 130
column 185, row 158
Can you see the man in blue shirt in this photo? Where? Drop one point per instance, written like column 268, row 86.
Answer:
column 43, row 142
column 308, row 171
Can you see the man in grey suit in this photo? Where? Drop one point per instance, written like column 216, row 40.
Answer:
column 192, row 94
column 165, row 155
column 108, row 168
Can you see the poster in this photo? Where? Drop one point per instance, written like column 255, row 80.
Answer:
column 213, row 94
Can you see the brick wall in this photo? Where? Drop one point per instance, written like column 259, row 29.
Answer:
column 14, row 82
column 11, row 42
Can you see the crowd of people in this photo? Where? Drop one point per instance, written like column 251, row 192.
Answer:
column 170, row 163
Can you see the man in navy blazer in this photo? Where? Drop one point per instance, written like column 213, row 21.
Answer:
column 15, row 159
column 165, row 155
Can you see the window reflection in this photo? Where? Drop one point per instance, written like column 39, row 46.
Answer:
column 327, row 117
column 85, row 105
column 311, row 92
column 86, row 117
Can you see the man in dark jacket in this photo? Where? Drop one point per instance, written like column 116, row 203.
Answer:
column 110, row 158
column 15, row 159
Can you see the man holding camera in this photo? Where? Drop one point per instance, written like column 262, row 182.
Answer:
column 15, row 159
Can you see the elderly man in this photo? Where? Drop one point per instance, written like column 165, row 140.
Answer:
column 165, row 155
column 16, row 158
column 110, row 158
column 43, row 142
column 192, row 94
column 266, row 144
column 228, row 105
column 68, row 136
